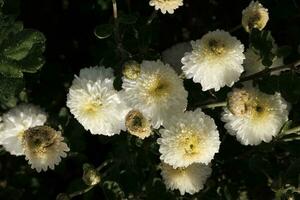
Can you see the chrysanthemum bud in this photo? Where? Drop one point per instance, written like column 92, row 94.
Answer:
column 90, row 175
column 62, row 196
column 43, row 147
column 137, row 124
column 238, row 102
column 131, row 70
column 255, row 16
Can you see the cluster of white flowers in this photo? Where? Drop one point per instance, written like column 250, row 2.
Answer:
column 153, row 97
column 22, row 132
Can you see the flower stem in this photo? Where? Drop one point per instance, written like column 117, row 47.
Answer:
column 80, row 192
column 115, row 9
column 291, row 66
column 152, row 16
column 214, row 105
column 104, row 164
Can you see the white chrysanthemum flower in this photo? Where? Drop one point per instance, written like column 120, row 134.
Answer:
column 95, row 103
column 158, row 92
column 43, row 147
column 253, row 63
column 189, row 138
column 173, row 55
column 253, row 116
column 215, row 61
column 187, row 180
column 255, row 16
column 15, row 122
column 166, row 5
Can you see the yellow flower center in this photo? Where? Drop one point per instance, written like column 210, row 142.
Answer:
column 216, row 47
column 158, row 87
column 190, row 141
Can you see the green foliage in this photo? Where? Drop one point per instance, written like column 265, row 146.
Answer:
column 262, row 41
column 21, row 49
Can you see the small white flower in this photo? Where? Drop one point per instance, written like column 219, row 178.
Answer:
column 253, row 116
column 15, row 122
column 43, row 147
column 215, row 61
column 173, row 55
column 189, row 138
column 157, row 92
column 253, row 63
column 95, row 103
column 255, row 16
column 166, row 5
column 187, row 180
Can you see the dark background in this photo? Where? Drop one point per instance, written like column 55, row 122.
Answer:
column 71, row 45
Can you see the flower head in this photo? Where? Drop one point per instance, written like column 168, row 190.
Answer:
column 43, row 147
column 189, row 138
column 255, row 16
column 215, row 61
column 137, row 124
column 187, row 180
column 166, row 5
column 15, row 122
column 95, row 103
column 253, row 116
column 158, row 92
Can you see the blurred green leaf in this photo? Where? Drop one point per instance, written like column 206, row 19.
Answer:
column 9, row 89
column 104, row 31
column 263, row 42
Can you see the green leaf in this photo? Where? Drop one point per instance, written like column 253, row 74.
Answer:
column 263, row 42
column 103, row 31
column 8, row 27
column 20, row 46
column 127, row 19
column 21, row 50
column 10, row 68
column 9, row 89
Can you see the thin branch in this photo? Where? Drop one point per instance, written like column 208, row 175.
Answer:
column 291, row 66
column 115, row 9
column 214, row 105
column 152, row 16
column 80, row 192
column 104, row 164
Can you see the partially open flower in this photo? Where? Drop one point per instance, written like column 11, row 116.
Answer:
column 253, row 116
column 166, row 5
column 43, row 147
column 255, row 16
column 131, row 70
column 137, row 124
column 187, row 180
